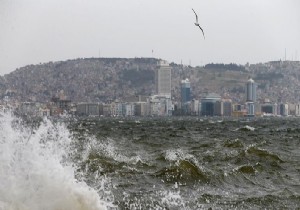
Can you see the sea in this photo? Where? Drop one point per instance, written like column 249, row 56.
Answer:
column 74, row 163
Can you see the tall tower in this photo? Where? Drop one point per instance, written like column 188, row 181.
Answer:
column 250, row 97
column 185, row 94
column 185, row 91
column 163, row 79
column 251, row 91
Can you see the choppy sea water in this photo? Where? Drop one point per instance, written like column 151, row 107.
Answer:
column 171, row 163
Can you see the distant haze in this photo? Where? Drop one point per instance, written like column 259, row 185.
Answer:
column 236, row 31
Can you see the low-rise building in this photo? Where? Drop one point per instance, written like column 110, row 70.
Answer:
column 88, row 109
column 208, row 104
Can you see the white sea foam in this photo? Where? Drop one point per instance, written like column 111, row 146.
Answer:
column 178, row 154
column 246, row 127
column 173, row 199
column 35, row 173
column 107, row 148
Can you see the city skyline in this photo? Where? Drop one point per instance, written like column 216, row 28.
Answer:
column 235, row 32
column 159, row 102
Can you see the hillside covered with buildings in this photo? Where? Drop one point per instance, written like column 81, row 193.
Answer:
column 109, row 80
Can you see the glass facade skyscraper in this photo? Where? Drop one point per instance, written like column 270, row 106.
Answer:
column 185, row 91
column 251, row 91
column 185, row 95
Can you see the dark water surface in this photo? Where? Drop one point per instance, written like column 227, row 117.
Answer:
column 190, row 163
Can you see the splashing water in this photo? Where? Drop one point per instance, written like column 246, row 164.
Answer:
column 35, row 172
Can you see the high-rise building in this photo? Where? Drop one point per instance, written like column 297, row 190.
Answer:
column 250, row 97
column 250, row 106
column 185, row 91
column 163, row 79
column 185, row 95
column 251, row 91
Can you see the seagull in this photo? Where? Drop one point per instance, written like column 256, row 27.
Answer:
column 197, row 24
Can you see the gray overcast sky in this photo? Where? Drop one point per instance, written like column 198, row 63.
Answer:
column 238, row 31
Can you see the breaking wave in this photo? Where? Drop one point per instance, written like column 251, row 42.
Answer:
column 36, row 171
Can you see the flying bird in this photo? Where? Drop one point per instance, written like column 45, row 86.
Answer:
column 197, row 23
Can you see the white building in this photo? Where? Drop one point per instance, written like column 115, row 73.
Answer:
column 195, row 107
column 129, row 109
column 163, row 79
column 160, row 106
column 116, row 109
column 283, row 109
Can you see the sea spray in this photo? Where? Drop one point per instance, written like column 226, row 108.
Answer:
column 35, row 172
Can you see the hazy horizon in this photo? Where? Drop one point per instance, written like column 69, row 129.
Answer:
column 236, row 31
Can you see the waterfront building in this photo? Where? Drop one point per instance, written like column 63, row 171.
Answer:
column 163, row 79
column 250, row 97
column 275, row 109
column 141, row 109
column 250, row 106
column 33, row 109
column 251, row 91
column 87, row 109
column 283, row 109
column 208, row 104
column 116, row 109
column 185, row 95
column 218, row 108
column 238, row 107
column 105, row 110
column 238, row 110
column 292, row 109
column 62, row 103
column 297, row 110
column 28, row 108
column 129, row 109
column 223, row 107
column 159, row 105
column 153, row 107
column 44, row 112
column 268, row 108
column 227, row 107
column 195, row 107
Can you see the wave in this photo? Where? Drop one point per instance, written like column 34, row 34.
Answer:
column 245, row 128
column 236, row 143
column 36, row 172
column 183, row 167
column 263, row 154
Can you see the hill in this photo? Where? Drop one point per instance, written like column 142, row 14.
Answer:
column 107, row 79
column 89, row 79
